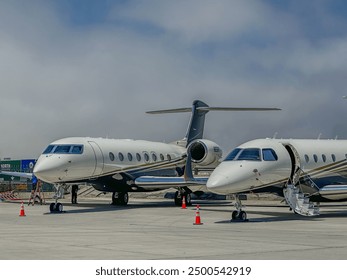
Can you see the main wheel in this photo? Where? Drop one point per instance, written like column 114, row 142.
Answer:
column 178, row 199
column 52, row 207
column 115, row 196
column 188, row 199
column 59, row 207
column 234, row 215
column 119, row 198
column 123, row 198
column 242, row 216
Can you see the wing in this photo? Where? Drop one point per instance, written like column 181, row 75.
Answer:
column 17, row 174
column 168, row 182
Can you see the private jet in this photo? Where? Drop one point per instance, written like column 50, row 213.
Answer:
column 121, row 166
column 304, row 171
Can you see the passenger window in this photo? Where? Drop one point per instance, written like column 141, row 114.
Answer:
column 130, row 157
column 168, row 157
column 333, row 157
column 162, row 157
column 154, row 157
column 146, row 157
column 111, row 155
column 315, row 158
column 324, row 158
column 121, row 157
column 250, row 154
column 307, row 159
column 269, row 155
column 233, row 154
column 138, row 157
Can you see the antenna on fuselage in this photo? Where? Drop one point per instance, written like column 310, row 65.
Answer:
column 197, row 121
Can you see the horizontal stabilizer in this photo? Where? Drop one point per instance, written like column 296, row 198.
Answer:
column 178, row 110
column 207, row 109
column 197, row 122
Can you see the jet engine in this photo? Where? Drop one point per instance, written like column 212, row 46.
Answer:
column 204, row 152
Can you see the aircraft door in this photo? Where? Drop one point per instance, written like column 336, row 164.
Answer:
column 99, row 158
column 295, row 159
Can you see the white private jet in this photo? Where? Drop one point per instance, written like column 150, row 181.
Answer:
column 122, row 165
column 306, row 172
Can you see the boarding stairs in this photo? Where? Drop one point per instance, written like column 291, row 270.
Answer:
column 297, row 200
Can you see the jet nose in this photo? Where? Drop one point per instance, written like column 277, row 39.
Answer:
column 230, row 177
column 219, row 181
column 46, row 170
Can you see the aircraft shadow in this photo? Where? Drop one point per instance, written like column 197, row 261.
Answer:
column 280, row 217
column 102, row 207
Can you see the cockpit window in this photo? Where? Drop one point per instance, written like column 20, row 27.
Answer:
column 64, row 149
column 249, row 154
column 269, row 155
column 78, row 149
column 233, row 154
column 49, row 149
column 252, row 154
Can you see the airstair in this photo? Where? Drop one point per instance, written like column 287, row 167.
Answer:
column 297, row 200
column 300, row 202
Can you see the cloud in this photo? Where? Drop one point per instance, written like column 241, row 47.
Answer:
column 60, row 79
column 196, row 21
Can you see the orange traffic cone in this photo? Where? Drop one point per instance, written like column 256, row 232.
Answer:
column 21, row 212
column 184, row 206
column 197, row 216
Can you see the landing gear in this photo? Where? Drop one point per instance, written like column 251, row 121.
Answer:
column 179, row 197
column 188, row 199
column 238, row 214
column 120, row 198
column 57, row 207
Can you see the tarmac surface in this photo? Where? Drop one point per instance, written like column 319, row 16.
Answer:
column 155, row 229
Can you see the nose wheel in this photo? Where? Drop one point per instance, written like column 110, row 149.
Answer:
column 56, row 207
column 238, row 215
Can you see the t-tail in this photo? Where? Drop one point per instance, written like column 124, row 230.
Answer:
column 197, row 121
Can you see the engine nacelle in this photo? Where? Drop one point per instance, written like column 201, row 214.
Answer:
column 204, row 152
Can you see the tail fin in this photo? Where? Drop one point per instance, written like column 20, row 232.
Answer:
column 197, row 121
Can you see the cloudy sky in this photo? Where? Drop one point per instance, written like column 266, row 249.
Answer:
column 93, row 68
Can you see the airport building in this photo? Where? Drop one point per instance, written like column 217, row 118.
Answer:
column 8, row 182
